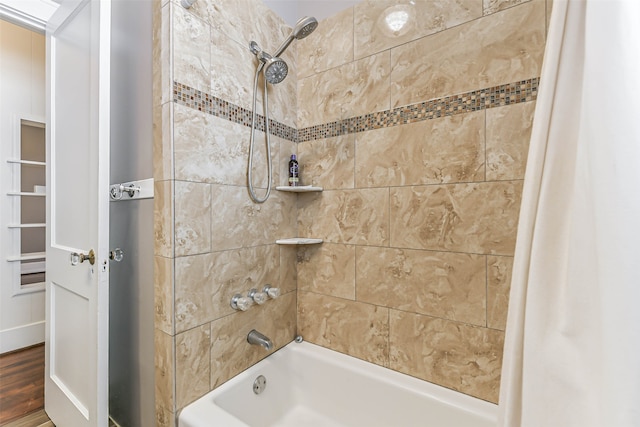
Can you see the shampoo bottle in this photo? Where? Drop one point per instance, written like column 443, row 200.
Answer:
column 294, row 171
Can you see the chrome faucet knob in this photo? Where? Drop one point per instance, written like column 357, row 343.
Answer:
column 238, row 302
column 257, row 297
column 271, row 291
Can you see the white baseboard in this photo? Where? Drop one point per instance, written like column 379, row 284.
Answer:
column 21, row 336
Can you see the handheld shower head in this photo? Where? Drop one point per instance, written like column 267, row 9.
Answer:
column 302, row 29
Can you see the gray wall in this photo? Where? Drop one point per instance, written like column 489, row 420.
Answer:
column 131, row 360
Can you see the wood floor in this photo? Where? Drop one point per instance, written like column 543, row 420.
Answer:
column 22, row 386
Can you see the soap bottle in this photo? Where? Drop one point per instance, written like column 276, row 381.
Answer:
column 294, row 172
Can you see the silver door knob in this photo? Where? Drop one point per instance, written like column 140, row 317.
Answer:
column 79, row 258
column 116, row 255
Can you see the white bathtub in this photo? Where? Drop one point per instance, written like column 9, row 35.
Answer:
column 310, row 386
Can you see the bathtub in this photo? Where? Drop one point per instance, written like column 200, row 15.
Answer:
column 310, row 386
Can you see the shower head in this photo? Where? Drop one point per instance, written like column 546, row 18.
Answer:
column 302, row 29
column 275, row 70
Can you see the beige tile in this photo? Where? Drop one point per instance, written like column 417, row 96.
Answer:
column 210, row 149
column 379, row 23
column 163, row 218
column 260, row 165
column 283, row 97
column 164, row 417
column 193, row 218
column 497, row 49
column 350, row 90
column 163, row 294
column 330, row 45
column 238, row 222
column 493, row 6
column 281, row 164
column 164, row 370
column 230, row 352
column 329, row 162
column 288, row 271
column 206, row 283
column 192, row 365
column 449, row 149
column 328, row 269
column 162, row 69
column 243, row 20
column 191, row 56
column 232, row 70
column 357, row 329
column 439, row 284
column 348, row 216
column 498, row 286
column 549, row 7
column 475, row 218
column 462, row 357
column 508, row 135
column 163, row 142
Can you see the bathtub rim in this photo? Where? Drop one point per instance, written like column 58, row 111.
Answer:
column 447, row 396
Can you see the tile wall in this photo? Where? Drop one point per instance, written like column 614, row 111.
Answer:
column 421, row 203
column 211, row 240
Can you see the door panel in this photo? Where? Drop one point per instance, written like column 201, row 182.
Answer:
column 74, row 115
column 77, row 298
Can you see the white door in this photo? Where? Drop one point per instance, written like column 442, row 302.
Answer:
column 77, row 306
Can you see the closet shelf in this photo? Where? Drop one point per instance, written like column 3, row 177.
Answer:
column 18, row 193
column 299, row 189
column 35, row 225
column 26, row 162
column 27, row 257
column 298, row 241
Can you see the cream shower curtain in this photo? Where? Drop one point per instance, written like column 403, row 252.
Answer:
column 572, row 349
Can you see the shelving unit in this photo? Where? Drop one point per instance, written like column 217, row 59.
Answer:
column 30, row 262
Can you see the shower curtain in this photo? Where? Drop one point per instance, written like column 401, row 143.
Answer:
column 572, row 346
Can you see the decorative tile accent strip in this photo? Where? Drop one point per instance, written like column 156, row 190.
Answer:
column 496, row 96
column 198, row 100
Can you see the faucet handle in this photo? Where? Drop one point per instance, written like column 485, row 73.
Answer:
column 257, row 297
column 238, row 302
column 271, row 291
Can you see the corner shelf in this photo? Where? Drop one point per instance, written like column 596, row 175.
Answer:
column 298, row 241
column 300, row 189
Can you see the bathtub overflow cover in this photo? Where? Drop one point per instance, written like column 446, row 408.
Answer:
column 259, row 384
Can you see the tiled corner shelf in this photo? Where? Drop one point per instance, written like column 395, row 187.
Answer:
column 298, row 241
column 300, row 189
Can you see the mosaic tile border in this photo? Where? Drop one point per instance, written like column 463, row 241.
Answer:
column 496, row 96
column 201, row 101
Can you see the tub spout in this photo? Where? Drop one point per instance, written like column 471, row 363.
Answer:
column 257, row 338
